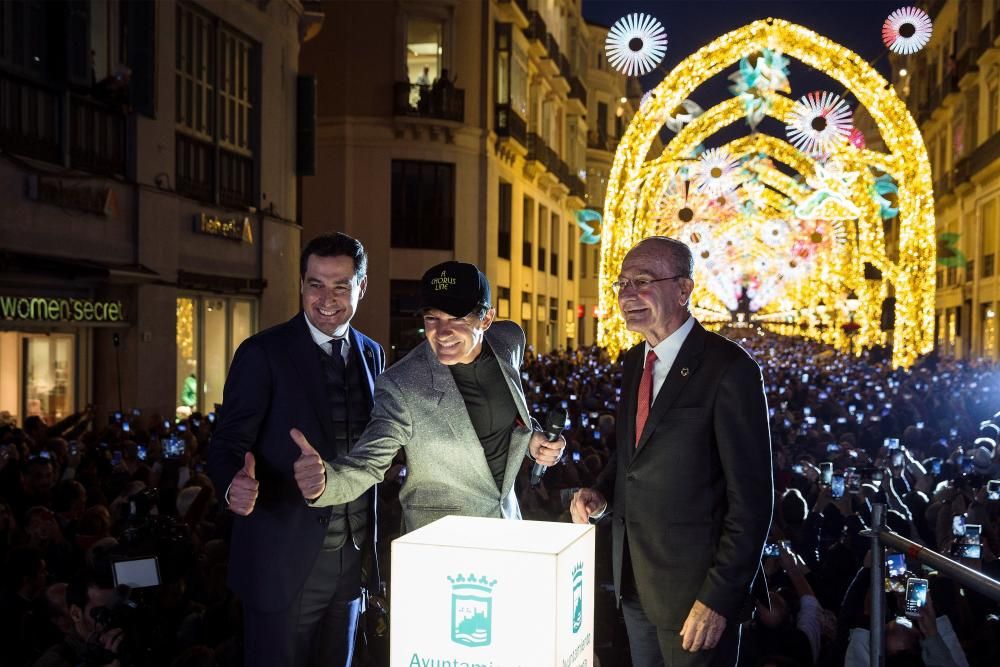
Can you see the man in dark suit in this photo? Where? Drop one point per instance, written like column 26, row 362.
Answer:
column 297, row 567
column 689, row 486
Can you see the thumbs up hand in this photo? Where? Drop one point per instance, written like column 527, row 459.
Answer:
column 243, row 489
column 310, row 473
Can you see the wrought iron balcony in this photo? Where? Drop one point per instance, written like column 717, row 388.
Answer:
column 536, row 29
column 510, row 124
column 576, row 90
column 32, row 118
column 443, row 102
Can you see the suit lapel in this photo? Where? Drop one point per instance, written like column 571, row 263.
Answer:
column 511, row 375
column 513, row 378
column 451, row 408
column 365, row 354
column 303, row 351
column 631, row 375
column 683, row 369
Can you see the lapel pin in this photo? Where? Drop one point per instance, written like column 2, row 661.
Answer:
column 684, row 372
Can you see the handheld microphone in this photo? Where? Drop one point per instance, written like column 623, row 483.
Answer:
column 553, row 427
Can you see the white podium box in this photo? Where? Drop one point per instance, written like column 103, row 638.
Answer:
column 471, row 592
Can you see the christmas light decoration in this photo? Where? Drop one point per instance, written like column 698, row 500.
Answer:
column 635, row 44
column 818, row 257
column 715, row 171
column 818, row 121
column 907, row 30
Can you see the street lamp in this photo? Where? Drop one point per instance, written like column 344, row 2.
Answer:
column 853, row 303
column 850, row 328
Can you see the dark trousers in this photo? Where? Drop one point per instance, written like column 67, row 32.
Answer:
column 657, row 647
column 320, row 625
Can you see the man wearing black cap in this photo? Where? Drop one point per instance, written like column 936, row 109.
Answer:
column 455, row 403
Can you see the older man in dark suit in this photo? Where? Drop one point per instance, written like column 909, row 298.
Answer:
column 689, row 489
column 297, row 566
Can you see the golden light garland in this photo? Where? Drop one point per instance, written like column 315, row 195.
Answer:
column 636, row 185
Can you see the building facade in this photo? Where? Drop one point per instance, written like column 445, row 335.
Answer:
column 150, row 223
column 952, row 88
column 459, row 132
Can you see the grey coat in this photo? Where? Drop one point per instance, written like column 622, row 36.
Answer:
column 419, row 407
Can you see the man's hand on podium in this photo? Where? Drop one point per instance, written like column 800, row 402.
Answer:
column 310, row 473
column 586, row 503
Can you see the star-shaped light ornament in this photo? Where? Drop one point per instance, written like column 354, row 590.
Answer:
column 884, row 191
column 818, row 122
column 759, row 76
column 907, row 30
column 589, row 221
column 715, row 172
column 831, row 198
column 685, row 112
column 635, row 44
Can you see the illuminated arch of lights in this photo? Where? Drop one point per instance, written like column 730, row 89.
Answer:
column 796, row 246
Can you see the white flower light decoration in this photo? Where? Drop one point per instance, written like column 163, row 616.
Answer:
column 817, row 122
column 635, row 44
column 907, row 30
column 714, row 172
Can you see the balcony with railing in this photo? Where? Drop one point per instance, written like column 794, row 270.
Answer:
column 536, row 30
column 59, row 126
column 510, row 124
column 96, row 137
column 441, row 102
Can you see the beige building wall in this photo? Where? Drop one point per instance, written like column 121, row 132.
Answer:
column 522, row 138
column 951, row 88
column 143, row 248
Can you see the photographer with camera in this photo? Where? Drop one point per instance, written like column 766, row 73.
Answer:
column 93, row 639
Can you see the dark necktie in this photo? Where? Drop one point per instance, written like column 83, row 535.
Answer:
column 645, row 398
column 337, row 353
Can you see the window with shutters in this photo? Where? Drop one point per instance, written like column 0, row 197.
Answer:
column 215, row 94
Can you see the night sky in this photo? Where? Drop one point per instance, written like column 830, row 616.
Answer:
column 856, row 24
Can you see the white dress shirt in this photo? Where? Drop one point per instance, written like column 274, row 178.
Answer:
column 666, row 353
column 326, row 342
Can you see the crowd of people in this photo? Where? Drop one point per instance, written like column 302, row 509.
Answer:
column 846, row 431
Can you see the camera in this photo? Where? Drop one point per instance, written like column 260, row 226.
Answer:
column 771, row 550
column 576, row 456
column 897, row 458
column 891, row 443
column 993, row 489
column 141, row 452
column 211, row 417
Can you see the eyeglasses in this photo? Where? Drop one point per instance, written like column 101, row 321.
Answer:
column 639, row 284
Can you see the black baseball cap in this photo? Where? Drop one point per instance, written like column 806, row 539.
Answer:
column 456, row 288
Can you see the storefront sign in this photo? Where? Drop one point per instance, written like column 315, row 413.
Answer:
column 56, row 309
column 69, row 194
column 235, row 229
